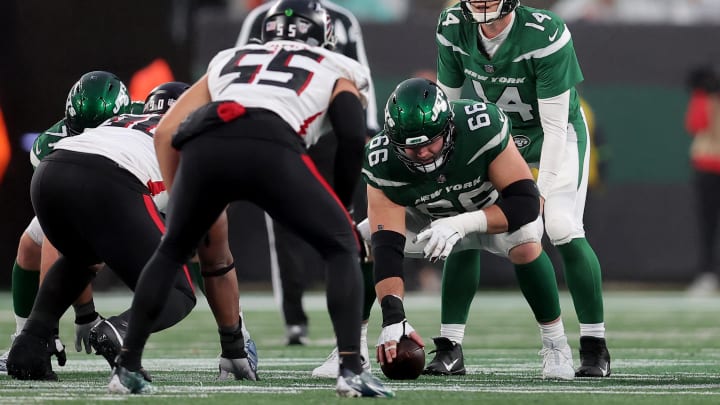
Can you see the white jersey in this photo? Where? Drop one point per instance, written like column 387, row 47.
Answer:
column 290, row 78
column 127, row 140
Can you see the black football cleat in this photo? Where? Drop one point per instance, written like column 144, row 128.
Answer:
column 29, row 359
column 448, row 358
column 296, row 334
column 107, row 338
column 594, row 358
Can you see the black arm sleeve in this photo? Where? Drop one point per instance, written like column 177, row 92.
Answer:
column 348, row 122
column 520, row 202
column 388, row 251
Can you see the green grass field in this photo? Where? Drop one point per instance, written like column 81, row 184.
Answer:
column 665, row 349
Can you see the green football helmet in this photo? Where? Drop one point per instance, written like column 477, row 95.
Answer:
column 504, row 8
column 416, row 114
column 97, row 96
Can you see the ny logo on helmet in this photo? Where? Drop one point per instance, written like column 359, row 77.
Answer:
column 122, row 100
column 440, row 105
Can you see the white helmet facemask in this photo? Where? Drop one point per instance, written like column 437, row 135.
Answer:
column 485, row 17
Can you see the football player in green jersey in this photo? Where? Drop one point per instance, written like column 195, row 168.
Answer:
column 445, row 182
column 523, row 60
column 95, row 97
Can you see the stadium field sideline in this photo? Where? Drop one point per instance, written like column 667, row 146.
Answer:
column 665, row 349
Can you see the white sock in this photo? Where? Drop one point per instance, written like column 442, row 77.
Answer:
column 552, row 330
column 453, row 331
column 593, row 329
column 19, row 324
column 363, row 331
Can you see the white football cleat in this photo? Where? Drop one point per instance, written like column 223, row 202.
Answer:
column 557, row 359
column 331, row 366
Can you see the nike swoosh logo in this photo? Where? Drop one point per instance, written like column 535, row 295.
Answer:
column 603, row 370
column 554, row 35
column 450, row 366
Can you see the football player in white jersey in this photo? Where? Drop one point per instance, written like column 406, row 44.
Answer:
column 108, row 182
column 292, row 260
column 245, row 125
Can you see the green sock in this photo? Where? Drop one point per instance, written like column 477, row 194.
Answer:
column 24, row 289
column 369, row 284
column 196, row 275
column 584, row 280
column 539, row 287
column 461, row 276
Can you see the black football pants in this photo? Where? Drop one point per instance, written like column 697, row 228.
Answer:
column 256, row 158
column 94, row 211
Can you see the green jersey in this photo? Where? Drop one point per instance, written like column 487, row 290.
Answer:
column 536, row 60
column 136, row 107
column 45, row 142
column 462, row 183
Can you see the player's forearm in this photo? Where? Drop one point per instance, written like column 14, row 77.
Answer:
column 168, row 160
column 554, row 121
column 452, row 93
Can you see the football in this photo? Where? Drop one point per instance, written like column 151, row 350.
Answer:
column 409, row 363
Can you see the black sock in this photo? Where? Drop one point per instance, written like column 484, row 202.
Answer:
column 351, row 361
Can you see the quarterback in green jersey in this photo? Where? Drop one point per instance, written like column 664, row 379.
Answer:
column 445, row 182
column 97, row 96
column 523, row 60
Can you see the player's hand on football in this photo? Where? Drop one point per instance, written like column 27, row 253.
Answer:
column 82, row 334
column 386, row 348
column 239, row 369
column 441, row 236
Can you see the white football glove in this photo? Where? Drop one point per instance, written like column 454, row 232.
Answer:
column 444, row 233
column 386, row 348
column 363, row 228
column 82, row 334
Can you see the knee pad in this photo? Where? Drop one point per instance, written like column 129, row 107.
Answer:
column 562, row 229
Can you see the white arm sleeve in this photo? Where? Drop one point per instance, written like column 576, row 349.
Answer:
column 452, row 93
column 554, row 121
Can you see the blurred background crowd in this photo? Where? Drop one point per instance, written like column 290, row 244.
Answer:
column 651, row 86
